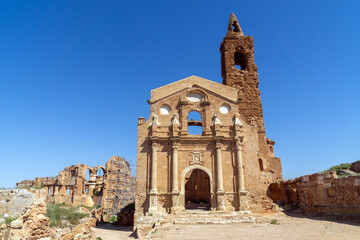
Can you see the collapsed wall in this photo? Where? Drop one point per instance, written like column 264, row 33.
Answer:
column 111, row 187
column 320, row 192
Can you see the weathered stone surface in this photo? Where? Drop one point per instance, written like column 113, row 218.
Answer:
column 231, row 155
column 36, row 225
column 111, row 187
column 13, row 202
column 16, row 224
column 355, row 166
column 319, row 193
column 84, row 231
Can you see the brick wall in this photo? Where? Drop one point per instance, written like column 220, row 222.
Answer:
column 320, row 192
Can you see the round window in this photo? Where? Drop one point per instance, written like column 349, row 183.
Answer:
column 194, row 97
column 165, row 109
column 225, row 108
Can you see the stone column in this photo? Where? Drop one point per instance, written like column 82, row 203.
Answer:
column 175, row 186
column 56, row 190
column 240, row 170
column 219, row 179
column 242, row 194
column 92, row 181
column 153, row 189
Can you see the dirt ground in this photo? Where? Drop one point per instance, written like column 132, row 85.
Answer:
column 294, row 227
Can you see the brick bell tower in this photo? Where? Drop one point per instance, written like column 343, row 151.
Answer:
column 239, row 71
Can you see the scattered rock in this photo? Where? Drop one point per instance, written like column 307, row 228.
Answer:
column 16, row 224
column 355, row 166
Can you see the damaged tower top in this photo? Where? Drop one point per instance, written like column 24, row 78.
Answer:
column 234, row 28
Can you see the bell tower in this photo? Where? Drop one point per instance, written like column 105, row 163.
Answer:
column 239, row 71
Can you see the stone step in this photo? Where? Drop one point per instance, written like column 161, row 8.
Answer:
column 189, row 212
column 211, row 214
column 190, row 221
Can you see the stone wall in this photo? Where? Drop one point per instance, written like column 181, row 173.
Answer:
column 320, row 192
column 355, row 166
column 111, row 187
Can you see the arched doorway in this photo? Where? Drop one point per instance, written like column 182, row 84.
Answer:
column 197, row 190
column 185, row 173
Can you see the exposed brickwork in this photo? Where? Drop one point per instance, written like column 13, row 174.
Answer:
column 232, row 149
column 73, row 186
column 239, row 71
column 320, row 193
column 355, row 166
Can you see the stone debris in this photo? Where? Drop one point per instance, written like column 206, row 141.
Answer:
column 33, row 225
column 14, row 201
column 319, row 192
column 111, row 187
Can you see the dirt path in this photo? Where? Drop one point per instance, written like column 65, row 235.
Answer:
column 110, row 232
column 296, row 227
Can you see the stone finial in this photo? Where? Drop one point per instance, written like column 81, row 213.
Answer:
column 236, row 120
column 216, row 120
column 234, row 27
column 175, row 120
column 155, row 121
column 141, row 120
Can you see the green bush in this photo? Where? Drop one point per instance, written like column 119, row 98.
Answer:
column 61, row 215
column 113, row 219
column 8, row 220
column 340, row 166
column 274, row 221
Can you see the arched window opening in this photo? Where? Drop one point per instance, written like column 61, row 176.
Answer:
column 235, row 27
column 240, row 61
column 194, row 123
column 87, row 175
column 100, row 172
column 261, row 164
column 271, row 149
column 74, row 172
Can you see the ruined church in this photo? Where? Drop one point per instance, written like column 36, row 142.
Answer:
column 228, row 164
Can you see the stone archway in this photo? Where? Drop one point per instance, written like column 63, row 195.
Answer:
column 201, row 172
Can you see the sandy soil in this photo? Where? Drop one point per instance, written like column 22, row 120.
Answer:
column 110, row 232
column 293, row 227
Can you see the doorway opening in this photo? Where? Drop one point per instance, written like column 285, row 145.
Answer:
column 197, row 190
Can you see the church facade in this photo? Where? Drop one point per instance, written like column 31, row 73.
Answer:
column 204, row 144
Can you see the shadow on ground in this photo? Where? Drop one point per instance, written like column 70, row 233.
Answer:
column 111, row 229
column 343, row 219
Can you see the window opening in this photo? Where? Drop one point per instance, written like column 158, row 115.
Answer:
column 194, row 123
column 240, row 61
column 261, row 165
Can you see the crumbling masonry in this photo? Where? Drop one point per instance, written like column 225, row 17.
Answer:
column 319, row 192
column 112, row 187
column 229, row 164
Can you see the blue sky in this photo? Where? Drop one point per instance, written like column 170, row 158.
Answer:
column 75, row 76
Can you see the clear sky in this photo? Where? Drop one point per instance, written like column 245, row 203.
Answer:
column 76, row 75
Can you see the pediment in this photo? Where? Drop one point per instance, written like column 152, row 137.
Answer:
column 191, row 82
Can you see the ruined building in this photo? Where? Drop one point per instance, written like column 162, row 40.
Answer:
column 112, row 187
column 228, row 164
